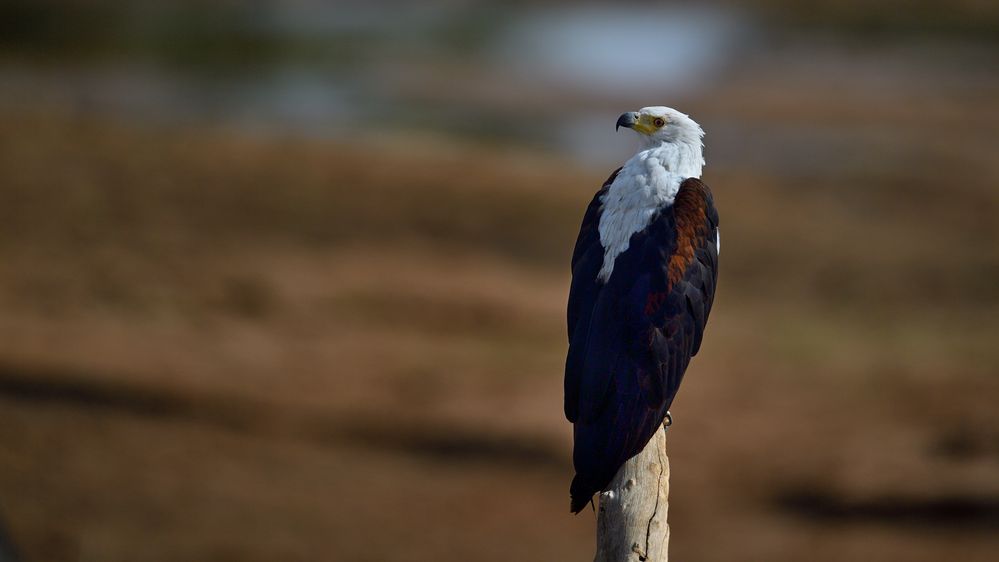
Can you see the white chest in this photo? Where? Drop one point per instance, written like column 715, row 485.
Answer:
column 646, row 184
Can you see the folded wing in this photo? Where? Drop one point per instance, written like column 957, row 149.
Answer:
column 631, row 339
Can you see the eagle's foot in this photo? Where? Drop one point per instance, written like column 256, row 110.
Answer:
column 668, row 420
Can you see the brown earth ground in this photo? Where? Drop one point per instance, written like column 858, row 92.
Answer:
column 216, row 347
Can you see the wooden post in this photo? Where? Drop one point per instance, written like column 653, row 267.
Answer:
column 631, row 519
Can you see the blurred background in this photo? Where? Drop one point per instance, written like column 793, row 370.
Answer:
column 285, row 280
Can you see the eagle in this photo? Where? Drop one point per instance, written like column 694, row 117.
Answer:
column 644, row 271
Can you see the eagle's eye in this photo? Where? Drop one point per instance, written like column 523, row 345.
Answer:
column 659, row 122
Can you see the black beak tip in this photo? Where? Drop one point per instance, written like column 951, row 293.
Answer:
column 626, row 120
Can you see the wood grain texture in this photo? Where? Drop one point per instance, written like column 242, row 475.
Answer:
column 631, row 518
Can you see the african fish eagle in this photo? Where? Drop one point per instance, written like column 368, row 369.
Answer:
column 643, row 278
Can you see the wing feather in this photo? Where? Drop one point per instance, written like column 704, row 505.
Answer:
column 631, row 339
column 587, row 258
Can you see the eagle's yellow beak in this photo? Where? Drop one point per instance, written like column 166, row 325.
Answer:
column 637, row 122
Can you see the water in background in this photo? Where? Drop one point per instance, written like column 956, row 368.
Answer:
column 550, row 77
column 286, row 280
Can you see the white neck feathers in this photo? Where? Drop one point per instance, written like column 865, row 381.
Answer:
column 646, row 184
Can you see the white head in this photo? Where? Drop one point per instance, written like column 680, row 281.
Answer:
column 659, row 125
column 649, row 180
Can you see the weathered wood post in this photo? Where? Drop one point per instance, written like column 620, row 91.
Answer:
column 631, row 517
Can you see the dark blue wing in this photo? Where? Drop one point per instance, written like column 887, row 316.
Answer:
column 631, row 339
column 587, row 258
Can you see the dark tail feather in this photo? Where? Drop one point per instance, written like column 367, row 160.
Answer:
column 581, row 493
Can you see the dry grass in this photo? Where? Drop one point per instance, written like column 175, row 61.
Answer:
column 221, row 348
